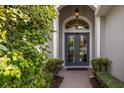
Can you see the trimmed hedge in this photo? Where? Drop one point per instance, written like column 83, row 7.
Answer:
column 53, row 66
column 108, row 81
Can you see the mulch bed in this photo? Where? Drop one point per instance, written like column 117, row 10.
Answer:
column 94, row 82
column 57, row 81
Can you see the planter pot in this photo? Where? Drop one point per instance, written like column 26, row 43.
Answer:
column 104, row 68
column 93, row 79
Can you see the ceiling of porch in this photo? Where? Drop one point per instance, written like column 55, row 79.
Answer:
column 59, row 7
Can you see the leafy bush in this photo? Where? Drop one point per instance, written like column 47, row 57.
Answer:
column 53, row 66
column 42, row 79
column 21, row 29
column 106, row 80
column 100, row 64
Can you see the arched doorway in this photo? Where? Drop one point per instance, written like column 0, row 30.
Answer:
column 66, row 16
column 77, row 47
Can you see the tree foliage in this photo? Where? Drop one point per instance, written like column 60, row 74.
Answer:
column 21, row 29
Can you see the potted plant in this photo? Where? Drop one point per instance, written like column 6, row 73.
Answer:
column 100, row 64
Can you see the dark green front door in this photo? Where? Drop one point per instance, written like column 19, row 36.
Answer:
column 76, row 49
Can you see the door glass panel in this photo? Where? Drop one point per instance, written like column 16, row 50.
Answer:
column 83, row 49
column 71, row 49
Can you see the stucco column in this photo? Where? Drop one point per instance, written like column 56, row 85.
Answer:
column 56, row 38
column 97, row 36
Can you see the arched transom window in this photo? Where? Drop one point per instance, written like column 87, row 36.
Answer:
column 76, row 24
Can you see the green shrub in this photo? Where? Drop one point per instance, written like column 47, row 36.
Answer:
column 21, row 29
column 42, row 79
column 53, row 66
column 106, row 80
column 100, row 64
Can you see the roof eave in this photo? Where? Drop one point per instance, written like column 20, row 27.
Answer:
column 102, row 10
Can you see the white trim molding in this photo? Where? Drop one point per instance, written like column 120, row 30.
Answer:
column 61, row 6
column 56, row 38
column 97, row 36
column 77, row 31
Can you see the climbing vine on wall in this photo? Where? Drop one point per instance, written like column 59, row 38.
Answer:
column 21, row 29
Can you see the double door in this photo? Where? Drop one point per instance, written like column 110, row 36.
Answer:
column 76, row 49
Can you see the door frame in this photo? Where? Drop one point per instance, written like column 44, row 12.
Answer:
column 64, row 31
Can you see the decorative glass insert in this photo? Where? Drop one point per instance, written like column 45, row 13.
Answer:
column 83, row 49
column 71, row 48
column 76, row 24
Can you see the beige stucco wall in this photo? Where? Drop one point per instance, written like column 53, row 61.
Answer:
column 102, row 37
column 112, row 40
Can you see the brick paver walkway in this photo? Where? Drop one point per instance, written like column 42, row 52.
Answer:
column 75, row 79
